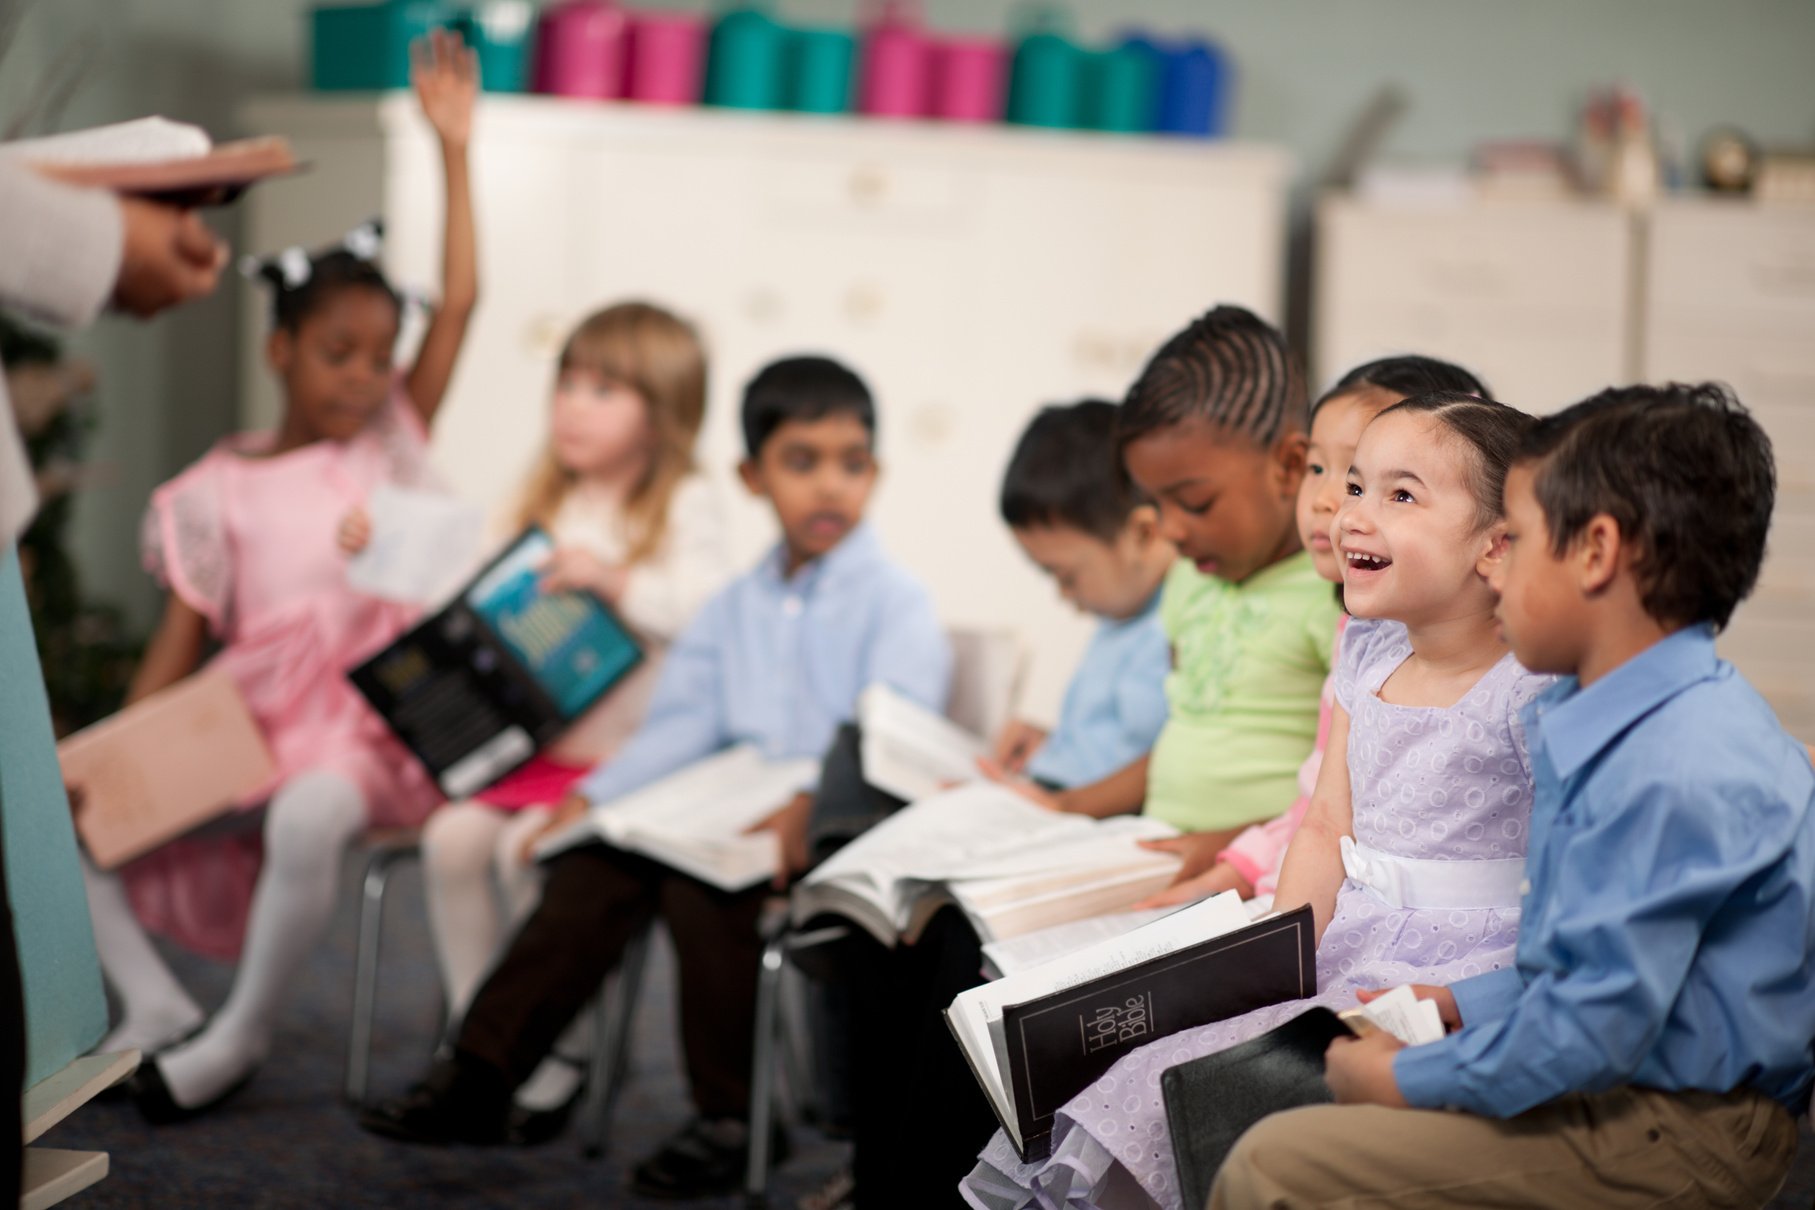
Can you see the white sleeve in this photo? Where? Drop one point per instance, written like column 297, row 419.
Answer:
column 665, row 591
column 59, row 247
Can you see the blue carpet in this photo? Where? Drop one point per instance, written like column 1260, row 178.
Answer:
column 289, row 1140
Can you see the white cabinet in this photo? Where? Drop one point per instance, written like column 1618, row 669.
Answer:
column 1534, row 296
column 971, row 275
column 1730, row 295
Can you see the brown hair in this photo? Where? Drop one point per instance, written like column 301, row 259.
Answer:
column 1684, row 471
column 659, row 356
column 1489, row 430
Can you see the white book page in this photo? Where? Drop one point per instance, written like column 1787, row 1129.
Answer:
column 713, row 800
column 143, row 140
column 941, row 836
column 1030, row 949
column 424, row 546
column 1103, row 842
column 1401, row 1013
column 911, row 752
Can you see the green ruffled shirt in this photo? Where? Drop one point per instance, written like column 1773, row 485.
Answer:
column 1249, row 663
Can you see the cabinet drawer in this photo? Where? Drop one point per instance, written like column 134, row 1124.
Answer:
column 1552, row 259
column 807, row 190
column 1733, row 267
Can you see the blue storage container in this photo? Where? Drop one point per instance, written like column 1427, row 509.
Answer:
column 1194, row 92
column 501, row 33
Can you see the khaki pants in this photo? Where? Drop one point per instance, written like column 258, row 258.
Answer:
column 1628, row 1147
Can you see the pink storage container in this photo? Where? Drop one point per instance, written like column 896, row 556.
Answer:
column 580, row 49
column 969, row 80
column 667, row 58
column 896, row 77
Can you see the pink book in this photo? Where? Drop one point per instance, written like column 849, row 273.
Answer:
column 163, row 766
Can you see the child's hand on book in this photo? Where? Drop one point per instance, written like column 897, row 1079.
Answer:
column 1016, row 745
column 1359, row 1071
column 1214, row 881
column 1443, row 997
column 445, row 73
column 355, row 532
column 1038, row 795
column 566, row 815
column 571, row 569
column 790, row 827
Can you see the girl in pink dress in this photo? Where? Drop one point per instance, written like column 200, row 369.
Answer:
column 246, row 542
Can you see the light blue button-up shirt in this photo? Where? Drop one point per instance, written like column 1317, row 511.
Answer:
column 1114, row 705
column 778, row 662
column 1669, row 921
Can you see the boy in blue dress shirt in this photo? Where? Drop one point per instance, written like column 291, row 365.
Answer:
column 1652, row 1044
column 777, row 659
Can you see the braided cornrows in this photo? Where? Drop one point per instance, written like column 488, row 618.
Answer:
column 1229, row 368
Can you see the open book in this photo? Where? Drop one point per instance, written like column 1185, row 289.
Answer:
column 908, row 750
column 1036, row 1038
column 155, row 157
column 163, row 766
column 695, row 821
column 1009, row 865
column 476, row 689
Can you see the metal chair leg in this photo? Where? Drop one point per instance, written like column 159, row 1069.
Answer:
column 762, row 1073
column 365, row 968
column 610, row 1061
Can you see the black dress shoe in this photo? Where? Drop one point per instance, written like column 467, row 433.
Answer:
column 707, row 1158
column 151, row 1094
column 459, row 1102
column 533, row 1127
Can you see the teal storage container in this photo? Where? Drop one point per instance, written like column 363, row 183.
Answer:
column 821, row 70
column 366, row 47
column 502, row 34
column 1046, row 84
column 1122, row 89
column 746, row 63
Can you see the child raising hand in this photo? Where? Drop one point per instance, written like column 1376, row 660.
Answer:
column 246, row 542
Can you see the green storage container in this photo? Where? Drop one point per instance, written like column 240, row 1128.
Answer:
column 366, row 47
column 501, row 33
column 1122, row 90
column 1046, row 85
column 822, row 68
column 746, row 66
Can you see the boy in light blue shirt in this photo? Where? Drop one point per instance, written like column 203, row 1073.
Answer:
column 918, row 1115
column 778, row 660
column 1072, row 511
column 1653, row 1040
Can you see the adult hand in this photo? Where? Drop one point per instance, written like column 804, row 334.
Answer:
column 790, row 827
column 1359, row 1071
column 168, row 257
column 445, row 73
column 1443, row 997
column 1016, row 745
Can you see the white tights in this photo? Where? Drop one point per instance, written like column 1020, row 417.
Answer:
column 465, row 845
column 308, row 825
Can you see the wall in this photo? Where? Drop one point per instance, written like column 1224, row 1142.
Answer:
column 1472, row 69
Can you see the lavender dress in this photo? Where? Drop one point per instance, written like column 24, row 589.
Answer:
column 1428, row 783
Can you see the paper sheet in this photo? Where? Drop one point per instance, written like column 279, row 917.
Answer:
column 1401, row 1013
column 423, row 546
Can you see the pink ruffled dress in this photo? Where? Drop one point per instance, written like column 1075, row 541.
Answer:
column 248, row 540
